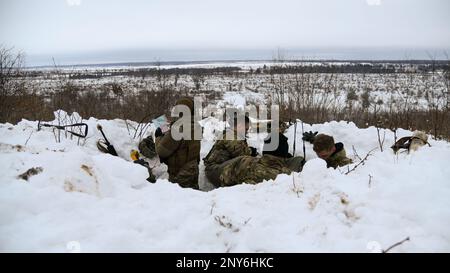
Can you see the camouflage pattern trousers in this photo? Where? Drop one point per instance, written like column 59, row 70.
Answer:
column 251, row 170
column 187, row 176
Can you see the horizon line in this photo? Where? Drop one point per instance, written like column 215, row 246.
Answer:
column 183, row 62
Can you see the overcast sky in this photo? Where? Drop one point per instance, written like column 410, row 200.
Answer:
column 74, row 26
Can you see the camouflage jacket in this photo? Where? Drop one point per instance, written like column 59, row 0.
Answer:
column 182, row 158
column 230, row 162
column 224, row 150
column 339, row 157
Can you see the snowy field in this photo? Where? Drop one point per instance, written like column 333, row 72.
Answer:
column 87, row 201
column 386, row 91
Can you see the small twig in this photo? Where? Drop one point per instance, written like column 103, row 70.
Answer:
column 128, row 128
column 140, row 126
column 395, row 245
column 381, row 141
column 362, row 162
column 212, row 207
column 28, row 138
column 144, row 130
column 54, row 134
column 295, row 189
column 356, row 153
column 370, row 180
column 226, row 224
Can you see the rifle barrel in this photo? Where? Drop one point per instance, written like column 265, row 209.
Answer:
column 304, row 148
column 295, row 137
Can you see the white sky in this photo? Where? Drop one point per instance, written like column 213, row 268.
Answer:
column 71, row 26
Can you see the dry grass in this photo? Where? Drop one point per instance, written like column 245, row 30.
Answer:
column 300, row 93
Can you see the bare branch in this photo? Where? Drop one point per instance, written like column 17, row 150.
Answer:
column 395, row 245
column 362, row 162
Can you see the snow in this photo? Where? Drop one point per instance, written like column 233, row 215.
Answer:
column 92, row 202
column 242, row 98
column 246, row 65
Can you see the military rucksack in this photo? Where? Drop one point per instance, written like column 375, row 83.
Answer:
column 405, row 143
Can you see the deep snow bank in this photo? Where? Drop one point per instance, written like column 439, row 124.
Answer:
column 88, row 201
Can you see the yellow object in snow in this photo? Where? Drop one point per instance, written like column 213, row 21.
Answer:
column 134, row 155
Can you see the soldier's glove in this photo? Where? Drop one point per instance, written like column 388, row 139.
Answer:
column 151, row 177
column 147, row 147
column 158, row 132
column 254, row 151
column 309, row 136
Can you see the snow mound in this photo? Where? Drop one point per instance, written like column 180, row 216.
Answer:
column 87, row 201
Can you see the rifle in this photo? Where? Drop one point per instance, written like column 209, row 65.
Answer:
column 295, row 138
column 104, row 145
column 304, row 149
column 63, row 127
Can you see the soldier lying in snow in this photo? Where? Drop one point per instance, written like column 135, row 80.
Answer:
column 232, row 162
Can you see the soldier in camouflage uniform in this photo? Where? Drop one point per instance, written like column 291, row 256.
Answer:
column 333, row 153
column 181, row 156
column 232, row 162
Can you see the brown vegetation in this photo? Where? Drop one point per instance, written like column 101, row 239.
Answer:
column 300, row 92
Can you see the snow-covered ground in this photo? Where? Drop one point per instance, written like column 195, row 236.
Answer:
column 385, row 91
column 205, row 64
column 87, row 201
